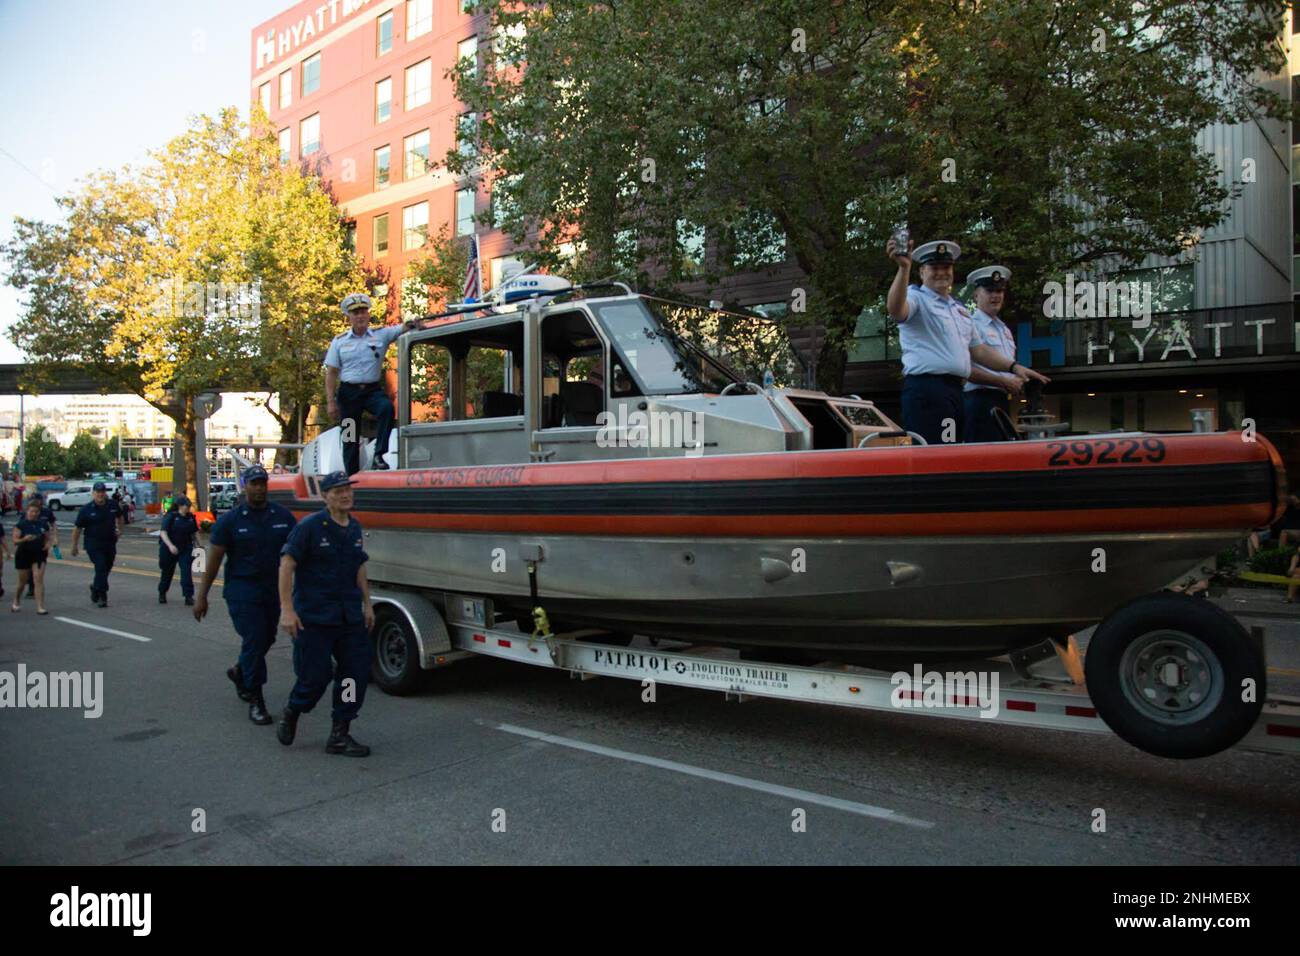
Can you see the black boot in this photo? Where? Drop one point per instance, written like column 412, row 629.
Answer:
column 257, row 709
column 162, row 598
column 237, row 678
column 341, row 742
column 103, row 599
column 189, row 602
column 287, row 729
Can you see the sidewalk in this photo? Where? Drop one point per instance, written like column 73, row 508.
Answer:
column 1258, row 602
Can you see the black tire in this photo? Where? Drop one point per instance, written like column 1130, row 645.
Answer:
column 395, row 658
column 1139, row 648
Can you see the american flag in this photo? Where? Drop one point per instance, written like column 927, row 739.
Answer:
column 473, row 289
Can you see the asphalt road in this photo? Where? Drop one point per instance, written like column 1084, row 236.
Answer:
column 502, row 763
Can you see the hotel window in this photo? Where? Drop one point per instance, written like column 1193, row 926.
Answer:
column 415, row 155
column 384, row 33
column 383, row 99
column 508, row 43
column 504, row 203
column 381, row 167
column 309, row 135
column 419, row 83
column 415, row 225
column 419, row 18
column 467, row 52
column 311, row 74
column 286, row 145
column 264, row 96
column 381, row 235
column 465, row 212
column 286, row 88
column 466, row 134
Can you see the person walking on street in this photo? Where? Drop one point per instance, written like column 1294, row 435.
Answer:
column 325, row 601
column 251, row 536
column 175, row 547
column 31, row 543
column 101, row 521
column 354, row 366
column 51, row 541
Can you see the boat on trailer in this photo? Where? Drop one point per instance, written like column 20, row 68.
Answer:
column 564, row 447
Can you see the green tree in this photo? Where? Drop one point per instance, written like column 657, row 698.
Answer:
column 684, row 142
column 43, row 455
column 209, row 265
column 85, row 455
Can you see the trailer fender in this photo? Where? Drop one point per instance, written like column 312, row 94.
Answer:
column 425, row 619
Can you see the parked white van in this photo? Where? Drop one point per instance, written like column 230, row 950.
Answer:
column 77, row 493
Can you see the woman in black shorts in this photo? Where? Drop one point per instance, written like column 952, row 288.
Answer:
column 30, row 538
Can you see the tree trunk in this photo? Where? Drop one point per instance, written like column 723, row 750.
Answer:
column 189, row 431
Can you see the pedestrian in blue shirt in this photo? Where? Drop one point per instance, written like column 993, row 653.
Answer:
column 250, row 536
column 51, row 541
column 354, row 366
column 31, row 539
column 175, row 548
column 939, row 340
column 325, row 601
column 101, row 522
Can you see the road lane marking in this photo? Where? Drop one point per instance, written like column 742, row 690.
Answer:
column 106, row 630
column 748, row 783
column 119, row 569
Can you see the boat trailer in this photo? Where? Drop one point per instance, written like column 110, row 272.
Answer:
column 1028, row 690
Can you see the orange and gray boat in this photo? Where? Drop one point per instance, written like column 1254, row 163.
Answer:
column 653, row 491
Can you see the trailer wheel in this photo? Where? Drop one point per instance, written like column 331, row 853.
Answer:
column 1168, row 672
column 395, row 665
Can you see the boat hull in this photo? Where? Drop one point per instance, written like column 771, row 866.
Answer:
column 969, row 550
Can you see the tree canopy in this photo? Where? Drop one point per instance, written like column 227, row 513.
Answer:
column 676, row 142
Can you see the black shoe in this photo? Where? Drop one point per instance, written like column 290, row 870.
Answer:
column 103, row 600
column 237, row 678
column 341, row 742
column 162, row 598
column 189, row 602
column 287, row 729
column 381, row 465
column 94, row 596
column 257, row 709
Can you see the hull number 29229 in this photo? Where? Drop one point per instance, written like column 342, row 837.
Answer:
column 1107, row 451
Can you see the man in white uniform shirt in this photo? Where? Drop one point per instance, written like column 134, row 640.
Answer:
column 939, row 340
column 986, row 389
column 354, row 368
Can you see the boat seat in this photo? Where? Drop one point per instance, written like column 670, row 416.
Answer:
column 583, row 401
column 502, row 404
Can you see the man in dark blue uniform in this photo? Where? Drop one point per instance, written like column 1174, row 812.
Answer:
column 326, row 609
column 175, row 547
column 253, row 534
column 101, row 520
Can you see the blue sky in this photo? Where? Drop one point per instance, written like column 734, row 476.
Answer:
column 94, row 84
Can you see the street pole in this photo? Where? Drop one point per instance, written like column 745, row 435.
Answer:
column 22, row 444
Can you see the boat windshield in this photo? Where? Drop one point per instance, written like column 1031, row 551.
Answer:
column 662, row 363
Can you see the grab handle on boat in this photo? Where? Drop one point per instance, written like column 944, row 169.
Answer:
column 758, row 389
